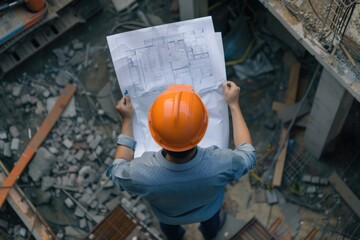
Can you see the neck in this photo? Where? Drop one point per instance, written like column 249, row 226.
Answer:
column 181, row 160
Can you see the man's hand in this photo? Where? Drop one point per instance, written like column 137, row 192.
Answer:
column 231, row 93
column 241, row 131
column 125, row 108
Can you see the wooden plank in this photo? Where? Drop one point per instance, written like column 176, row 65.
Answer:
column 290, row 99
column 280, row 163
column 289, row 58
column 26, row 211
column 37, row 140
column 277, row 106
column 345, row 192
column 312, row 234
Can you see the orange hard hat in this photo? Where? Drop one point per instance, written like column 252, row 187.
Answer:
column 178, row 118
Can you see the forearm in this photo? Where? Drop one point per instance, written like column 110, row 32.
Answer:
column 125, row 152
column 240, row 130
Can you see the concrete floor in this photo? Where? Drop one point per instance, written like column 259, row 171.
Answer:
column 256, row 98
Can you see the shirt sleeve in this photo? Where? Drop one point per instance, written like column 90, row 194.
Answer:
column 118, row 172
column 244, row 160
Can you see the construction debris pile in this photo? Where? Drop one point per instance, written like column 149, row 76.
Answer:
column 70, row 164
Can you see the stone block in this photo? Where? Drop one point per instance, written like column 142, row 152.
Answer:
column 3, row 134
column 98, row 150
column 46, row 93
column 79, row 155
column 41, row 164
column 47, row 182
column 68, row 143
column 108, row 161
column 315, row 179
column 69, row 203
column 14, row 132
column 53, row 150
column 7, row 150
column 22, row 232
column 15, row 144
column 16, row 90
column 82, row 223
column 2, row 144
column 78, row 45
column 4, row 223
column 25, row 99
column 113, row 203
column 79, row 212
column 94, row 143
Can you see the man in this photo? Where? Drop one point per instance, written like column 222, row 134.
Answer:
column 183, row 182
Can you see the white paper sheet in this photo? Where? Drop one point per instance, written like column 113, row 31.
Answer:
column 148, row 60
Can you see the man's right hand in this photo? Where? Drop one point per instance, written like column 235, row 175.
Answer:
column 231, row 93
column 124, row 107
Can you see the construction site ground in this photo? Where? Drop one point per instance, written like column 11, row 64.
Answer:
column 245, row 198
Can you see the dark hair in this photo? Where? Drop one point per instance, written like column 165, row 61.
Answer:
column 179, row 155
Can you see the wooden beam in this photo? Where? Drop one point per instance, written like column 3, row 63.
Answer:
column 294, row 71
column 345, row 192
column 26, row 211
column 37, row 140
column 280, row 162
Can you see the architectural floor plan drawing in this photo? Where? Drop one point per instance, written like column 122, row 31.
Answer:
column 148, row 60
column 180, row 58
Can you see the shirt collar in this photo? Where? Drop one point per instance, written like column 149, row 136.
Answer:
column 182, row 166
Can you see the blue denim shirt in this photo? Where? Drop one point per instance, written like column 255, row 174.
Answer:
column 183, row 193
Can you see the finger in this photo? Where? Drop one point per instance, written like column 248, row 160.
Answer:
column 127, row 98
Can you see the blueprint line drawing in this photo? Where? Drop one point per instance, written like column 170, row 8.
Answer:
column 178, row 58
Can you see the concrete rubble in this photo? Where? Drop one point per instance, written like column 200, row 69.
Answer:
column 76, row 152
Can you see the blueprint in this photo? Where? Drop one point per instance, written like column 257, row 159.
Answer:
column 148, row 60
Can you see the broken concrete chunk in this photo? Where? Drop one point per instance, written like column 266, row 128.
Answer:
column 15, row 144
column 39, row 108
column 39, row 197
column 90, row 138
column 79, row 155
column 108, row 161
column 16, row 90
column 14, row 132
column 70, row 110
column 113, row 203
column 47, row 182
column 73, row 232
column 46, row 93
column 94, row 143
column 2, row 144
column 3, row 134
column 41, row 164
column 69, row 203
column 7, row 150
column 25, row 99
column 98, row 150
column 53, row 150
column 79, row 212
column 71, row 53
column 82, row 223
column 4, row 223
column 315, row 179
column 62, row 78
column 22, row 232
column 67, row 143
column 72, row 179
column 77, row 58
column 78, row 45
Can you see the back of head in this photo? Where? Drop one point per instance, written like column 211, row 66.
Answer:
column 178, row 118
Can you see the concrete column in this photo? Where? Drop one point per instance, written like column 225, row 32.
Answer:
column 190, row 9
column 329, row 111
